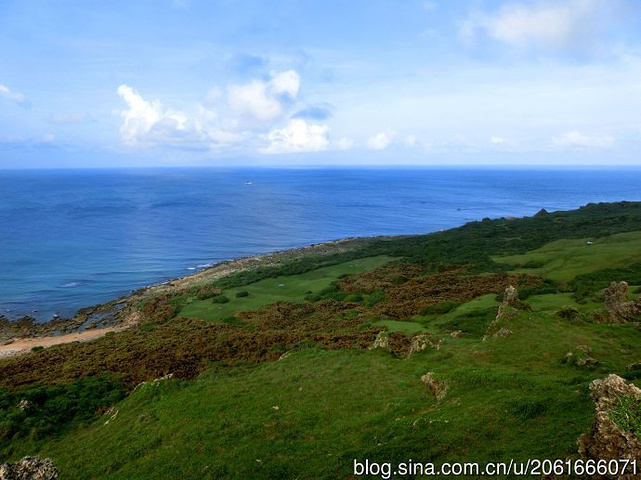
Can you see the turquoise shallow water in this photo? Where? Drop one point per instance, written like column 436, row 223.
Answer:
column 73, row 238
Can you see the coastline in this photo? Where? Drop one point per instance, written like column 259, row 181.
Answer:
column 18, row 338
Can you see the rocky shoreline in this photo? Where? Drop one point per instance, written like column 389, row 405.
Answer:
column 122, row 312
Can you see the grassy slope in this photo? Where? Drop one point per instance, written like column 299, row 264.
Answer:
column 565, row 259
column 507, row 398
column 281, row 288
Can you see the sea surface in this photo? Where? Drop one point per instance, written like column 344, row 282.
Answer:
column 75, row 238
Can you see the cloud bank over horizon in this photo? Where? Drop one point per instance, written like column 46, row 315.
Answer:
column 510, row 82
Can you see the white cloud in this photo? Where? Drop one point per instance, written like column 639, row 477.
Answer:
column 287, row 82
column 577, row 139
column 148, row 123
column 497, row 140
column 16, row 97
column 265, row 101
column 345, row 143
column 211, row 125
column 552, row 25
column 297, row 136
column 380, row 141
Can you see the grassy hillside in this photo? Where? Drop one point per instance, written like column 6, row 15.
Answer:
column 272, row 374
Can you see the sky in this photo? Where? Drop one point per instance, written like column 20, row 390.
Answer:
column 314, row 83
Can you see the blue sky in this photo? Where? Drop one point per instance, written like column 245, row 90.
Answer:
column 234, row 82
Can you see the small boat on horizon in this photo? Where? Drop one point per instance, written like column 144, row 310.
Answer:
column 248, row 182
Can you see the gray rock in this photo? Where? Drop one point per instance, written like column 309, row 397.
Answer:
column 606, row 441
column 29, row 468
column 617, row 304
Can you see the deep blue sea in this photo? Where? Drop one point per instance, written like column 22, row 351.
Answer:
column 75, row 238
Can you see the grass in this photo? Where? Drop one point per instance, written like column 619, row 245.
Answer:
column 565, row 259
column 280, row 288
column 313, row 413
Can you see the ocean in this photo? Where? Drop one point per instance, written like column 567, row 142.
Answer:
column 76, row 238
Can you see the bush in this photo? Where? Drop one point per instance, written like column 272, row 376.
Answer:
column 241, row 294
column 439, row 308
column 39, row 411
column 220, row 299
column 568, row 313
column 373, row 298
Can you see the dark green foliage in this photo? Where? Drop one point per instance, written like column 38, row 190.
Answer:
column 475, row 242
column 568, row 313
column 39, row 411
column 474, row 323
column 439, row 308
column 242, row 293
column 548, row 286
column 220, row 299
column 590, row 284
column 333, row 292
column 377, row 296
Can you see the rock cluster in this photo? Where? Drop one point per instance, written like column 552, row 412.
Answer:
column 29, row 468
column 606, row 441
column 617, row 304
column 580, row 356
column 381, row 341
column 421, row 342
column 437, row 387
column 507, row 311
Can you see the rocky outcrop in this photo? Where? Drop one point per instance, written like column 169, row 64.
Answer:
column 381, row 341
column 29, row 468
column 580, row 357
column 436, row 386
column 499, row 328
column 421, row 342
column 606, row 441
column 621, row 310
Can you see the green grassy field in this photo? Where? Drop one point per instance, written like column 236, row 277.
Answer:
column 280, row 288
column 565, row 259
column 293, row 390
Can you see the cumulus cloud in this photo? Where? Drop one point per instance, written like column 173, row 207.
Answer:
column 564, row 24
column 265, row 101
column 380, row 141
column 15, row 97
column 258, row 113
column 577, row 139
column 297, row 136
column 149, row 123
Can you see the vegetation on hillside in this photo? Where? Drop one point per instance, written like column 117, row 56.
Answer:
column 279, row 380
